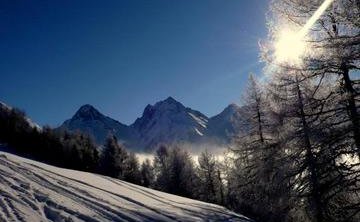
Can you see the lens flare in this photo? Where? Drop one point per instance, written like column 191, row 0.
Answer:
column 290, row 46
column 315, row 17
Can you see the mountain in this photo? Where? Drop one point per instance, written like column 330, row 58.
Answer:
column 89, row 120
column 34, row 191
column 227, row 124
column 169, row 122
column 165, row 122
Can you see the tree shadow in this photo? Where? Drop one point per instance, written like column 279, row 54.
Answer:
column 206, row 212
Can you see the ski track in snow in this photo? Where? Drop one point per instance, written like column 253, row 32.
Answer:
column 33, row 191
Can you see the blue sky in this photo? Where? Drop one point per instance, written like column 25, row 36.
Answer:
column 122, row 55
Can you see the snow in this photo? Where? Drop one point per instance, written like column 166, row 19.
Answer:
column 202, row 122
column 198, row 132
column 4, row 106
column 34, row 191
column 34, row 125
column 168, row 122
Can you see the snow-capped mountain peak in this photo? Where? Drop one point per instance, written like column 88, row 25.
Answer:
column 169, row 121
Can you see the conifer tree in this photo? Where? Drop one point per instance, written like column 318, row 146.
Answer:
column 259, row 184
column 131, row 172
column 209, row 183
column 113, row 158
column 147, row 173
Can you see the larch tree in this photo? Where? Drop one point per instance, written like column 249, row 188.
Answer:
column 322, row 122
column 209, row 178
column 257, row 171
column 332, row 51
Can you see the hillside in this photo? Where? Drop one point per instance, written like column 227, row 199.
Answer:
column 33, row 191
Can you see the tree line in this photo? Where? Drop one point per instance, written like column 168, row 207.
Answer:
column 172, row 170
column 60, row 148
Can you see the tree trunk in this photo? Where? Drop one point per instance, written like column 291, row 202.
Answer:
column 310, row 161
column 259, row 121
column 221, row 187
column 351, row 106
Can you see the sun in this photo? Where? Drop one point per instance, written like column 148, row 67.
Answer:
column 289, row 47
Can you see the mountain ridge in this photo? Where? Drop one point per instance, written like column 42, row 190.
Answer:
column 165, row 122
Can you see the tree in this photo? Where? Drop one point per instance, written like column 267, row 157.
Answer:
column 258, row 182
column 147, row 173
column 162, row 168
column 321, row 129
column 333, row 52
column 113, row 158
column 175, row 171
column 209, row 181
column 61, row 148
column 131, row 172
column 315, row 173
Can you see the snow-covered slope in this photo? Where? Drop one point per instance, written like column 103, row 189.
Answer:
column 33, row 191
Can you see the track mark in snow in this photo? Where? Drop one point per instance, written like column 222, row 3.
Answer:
column 122, row 197
column 5, row 209
column 31, row 191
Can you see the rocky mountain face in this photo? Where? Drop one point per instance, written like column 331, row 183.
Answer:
column 90, row 121
column 166, row 122
column 169, row 122
column 227, row 124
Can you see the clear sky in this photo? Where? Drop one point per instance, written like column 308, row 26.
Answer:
column 122, row 55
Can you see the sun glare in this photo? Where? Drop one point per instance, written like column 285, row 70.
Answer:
column 290, row 47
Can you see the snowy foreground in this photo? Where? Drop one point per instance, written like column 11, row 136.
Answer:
column 33, row 191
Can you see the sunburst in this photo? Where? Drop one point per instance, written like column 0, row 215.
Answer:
column 290, row 46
